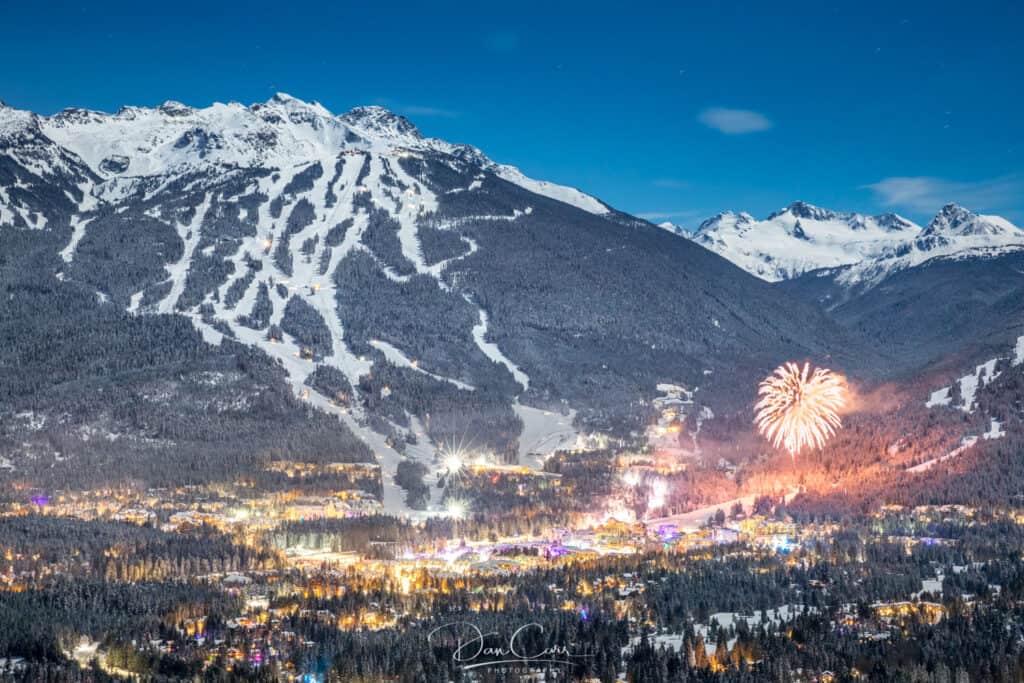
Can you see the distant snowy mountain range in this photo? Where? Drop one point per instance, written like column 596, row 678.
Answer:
column 857, row 250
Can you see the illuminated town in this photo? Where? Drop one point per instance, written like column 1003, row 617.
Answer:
column 313, row 553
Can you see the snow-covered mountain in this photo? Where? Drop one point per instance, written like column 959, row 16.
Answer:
column 953, row 291
column 855, row 249
column 413, row 287
column 139, row 141
column 953, row 234
column 801, row 238
column 673, row 228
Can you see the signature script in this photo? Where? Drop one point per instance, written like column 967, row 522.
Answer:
column 472, row 652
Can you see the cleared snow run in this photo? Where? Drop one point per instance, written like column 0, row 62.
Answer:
column 77, row 233
column 178, row 271
column 491, row 350
column 544, row 432
column 396, row 357
column 928, row 464
column 695, row 519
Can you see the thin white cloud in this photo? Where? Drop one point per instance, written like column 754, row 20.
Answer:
column 926, row 194
column 437, row 112
column 682, row 213
column 734, row 121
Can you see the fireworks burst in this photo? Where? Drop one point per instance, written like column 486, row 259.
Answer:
column 798, row 407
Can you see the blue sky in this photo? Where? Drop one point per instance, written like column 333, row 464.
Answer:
column 667, row 112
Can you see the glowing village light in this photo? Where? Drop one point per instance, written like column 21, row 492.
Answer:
column 453, row 462
column 658, row 492
column 456, row 509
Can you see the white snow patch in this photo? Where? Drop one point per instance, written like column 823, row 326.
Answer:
column 983, row 374
column 491, row 350
column 544, row 432
column 396, row 357
column 771, row 618
column 966, row 443
column 695, row 519
column 77, row 233
column 567, row 195
column 995, row 430
column 939, row 397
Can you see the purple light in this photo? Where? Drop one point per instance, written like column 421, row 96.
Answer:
column 584, row 615
column 555, row 551
column 41, row 501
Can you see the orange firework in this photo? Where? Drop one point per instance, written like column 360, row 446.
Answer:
column 798, row 407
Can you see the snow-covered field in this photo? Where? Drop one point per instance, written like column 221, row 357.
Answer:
column 770, row 618
column 544, row 432
column 695, row 519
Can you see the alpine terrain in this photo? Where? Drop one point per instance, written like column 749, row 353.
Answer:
column 243, row 282
column 949, row 292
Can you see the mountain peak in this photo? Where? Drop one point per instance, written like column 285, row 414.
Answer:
column 725, row 216
column 894, row 222
column 381, row 121
column 175, row 108
column 297, row 106
column 282, row 98
column 952, row 213
column 954, row 220
column 800, row 209
column 16, row 124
